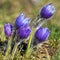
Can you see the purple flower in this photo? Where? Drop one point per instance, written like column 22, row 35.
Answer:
column 47, row 11
column 24, row 32
column 42, row 34
column 8, row 29
column 21, row 21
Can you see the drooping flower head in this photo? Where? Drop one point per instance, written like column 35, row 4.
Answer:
column 22, row 21
column 8, row 29
column 42, row 34
column 47, row 11
column 24, row 32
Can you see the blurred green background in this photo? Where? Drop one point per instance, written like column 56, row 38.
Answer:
column 10, row 9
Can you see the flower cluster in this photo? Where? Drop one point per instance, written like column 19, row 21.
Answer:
column 23, row 29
